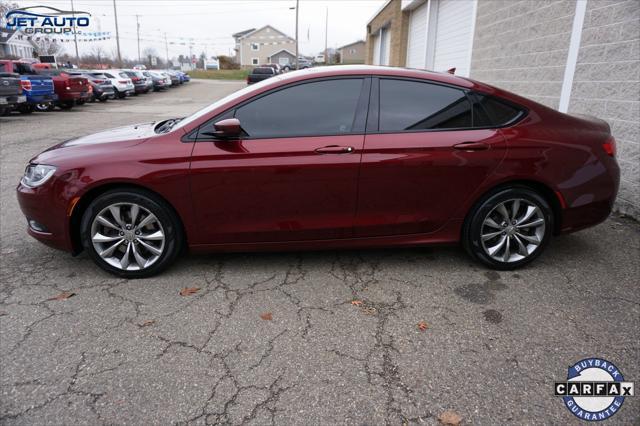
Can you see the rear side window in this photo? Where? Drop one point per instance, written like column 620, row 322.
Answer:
column 263, row 70
column 318, row 108
column 410, row 105
column 124, row 75
column 489, row 111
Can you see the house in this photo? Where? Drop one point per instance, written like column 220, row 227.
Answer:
column 282, row 57
column 352, row 53
column 575, row 56
column 257, row 46
column 15, row 43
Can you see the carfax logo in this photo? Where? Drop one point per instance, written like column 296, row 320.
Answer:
column 46, row 20
column 595, row 389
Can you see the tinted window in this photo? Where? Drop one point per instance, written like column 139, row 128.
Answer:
column 410, row 105
column 123, row 75
column 493, row 112
column 263, row 71
column 319, row 108
column 109, row 75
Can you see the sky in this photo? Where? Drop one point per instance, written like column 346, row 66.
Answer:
column 210, row 23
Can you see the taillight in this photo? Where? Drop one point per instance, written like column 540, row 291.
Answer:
column 98, row 81
column 26, row 84
column 135, row 79
column 609, row 146
column 122, row 81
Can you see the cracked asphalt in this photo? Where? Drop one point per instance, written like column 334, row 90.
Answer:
column 136, row 352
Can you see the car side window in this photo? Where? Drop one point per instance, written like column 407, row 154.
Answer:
column 411, row 105
column 317, row 108
column 489, row 111
column 108, row 75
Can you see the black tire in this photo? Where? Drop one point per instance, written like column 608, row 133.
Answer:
column 166, row 216
column 475, row 221
column 25, row 109
column 104, row 99
column 66, row 104
column 80, row 102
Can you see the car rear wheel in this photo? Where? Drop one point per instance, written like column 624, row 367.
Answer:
column 508, row 228
column 131, row 233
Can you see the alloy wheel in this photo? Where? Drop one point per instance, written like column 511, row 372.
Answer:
column 512, row 230
column 127, row 236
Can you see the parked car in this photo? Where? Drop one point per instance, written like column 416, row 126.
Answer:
column 173, row 77
column 302, row 64
column 102, row 90
column 285, row 164
column 122, row 84
column 71, row 89
column 276, row 67
column 38, row 89
column 259, row 74
column 139, row 81
column 10, row 92
column 160, row 81
column 184, row 77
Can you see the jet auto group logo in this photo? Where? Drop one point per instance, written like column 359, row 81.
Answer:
column 46, row 20
column 595, row 389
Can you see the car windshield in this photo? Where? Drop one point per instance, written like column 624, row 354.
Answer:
column 229, row 98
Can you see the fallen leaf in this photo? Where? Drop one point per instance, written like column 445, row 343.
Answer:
column 356, row 302
column 423, row 325
column 63, row 296
column 147, row 323
column 188, row 291
column 370, row 310
column 450, row 418
column 267, row 316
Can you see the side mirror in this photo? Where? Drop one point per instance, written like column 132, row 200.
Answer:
column 227, row 129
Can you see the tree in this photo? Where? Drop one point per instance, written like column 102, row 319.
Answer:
column 148, row 53
column 6, row 6
column 99, row 53
column 45, row 46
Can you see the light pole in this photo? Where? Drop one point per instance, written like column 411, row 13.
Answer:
column 75, row 33
column 115, row 14
column 138, row 27
column 297, row 7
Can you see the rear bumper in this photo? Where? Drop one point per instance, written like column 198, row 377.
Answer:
column 73, row 96
column 42, row 98
column 12, row 100
column 594, row 205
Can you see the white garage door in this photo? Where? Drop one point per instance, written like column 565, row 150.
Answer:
column 417, row 43
column 454, row 34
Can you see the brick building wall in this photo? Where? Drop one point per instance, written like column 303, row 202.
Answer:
column 607, row 84
column 392, row 17
column 522, row 46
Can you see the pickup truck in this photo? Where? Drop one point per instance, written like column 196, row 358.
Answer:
column 71, row 89
column 38, row 89
column 10, row 92
column 259, row 74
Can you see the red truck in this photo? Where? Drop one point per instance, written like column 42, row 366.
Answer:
column 71, row 89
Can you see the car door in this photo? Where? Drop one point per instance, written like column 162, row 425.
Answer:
column 422, row 157
column 292, row 175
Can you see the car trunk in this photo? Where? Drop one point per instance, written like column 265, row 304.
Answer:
column 40, row 84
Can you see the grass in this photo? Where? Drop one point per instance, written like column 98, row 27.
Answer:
column 220, row 74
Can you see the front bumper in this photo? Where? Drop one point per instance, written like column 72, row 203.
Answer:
column 50, row 212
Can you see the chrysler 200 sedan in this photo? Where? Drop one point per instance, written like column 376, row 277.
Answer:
column 337, row 157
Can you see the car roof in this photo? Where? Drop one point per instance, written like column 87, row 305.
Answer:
column 345, row 70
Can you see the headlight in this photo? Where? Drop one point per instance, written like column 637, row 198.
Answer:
column 37, row 174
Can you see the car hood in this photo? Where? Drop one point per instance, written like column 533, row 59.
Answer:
column 106, row 142
column 119, row 134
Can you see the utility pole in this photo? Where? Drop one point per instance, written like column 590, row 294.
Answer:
column 75, row 35
column 115, row 14
column 297, row 9
column 166, row 48
column 326, row 32
column 138, row 27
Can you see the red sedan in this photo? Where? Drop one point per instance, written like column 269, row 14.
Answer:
column 335, row 157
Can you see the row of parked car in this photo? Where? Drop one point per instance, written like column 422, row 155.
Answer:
column 27, row 87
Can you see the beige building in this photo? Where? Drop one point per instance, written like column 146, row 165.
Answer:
column 353, row 53
column 256, row 46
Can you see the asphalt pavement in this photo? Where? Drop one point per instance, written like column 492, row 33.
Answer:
column 361, row 337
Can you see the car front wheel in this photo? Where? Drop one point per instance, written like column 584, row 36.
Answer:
column 131, row 233
column 508, row 228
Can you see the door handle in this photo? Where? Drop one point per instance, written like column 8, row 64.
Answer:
column 472, row 146
column 335, row 149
